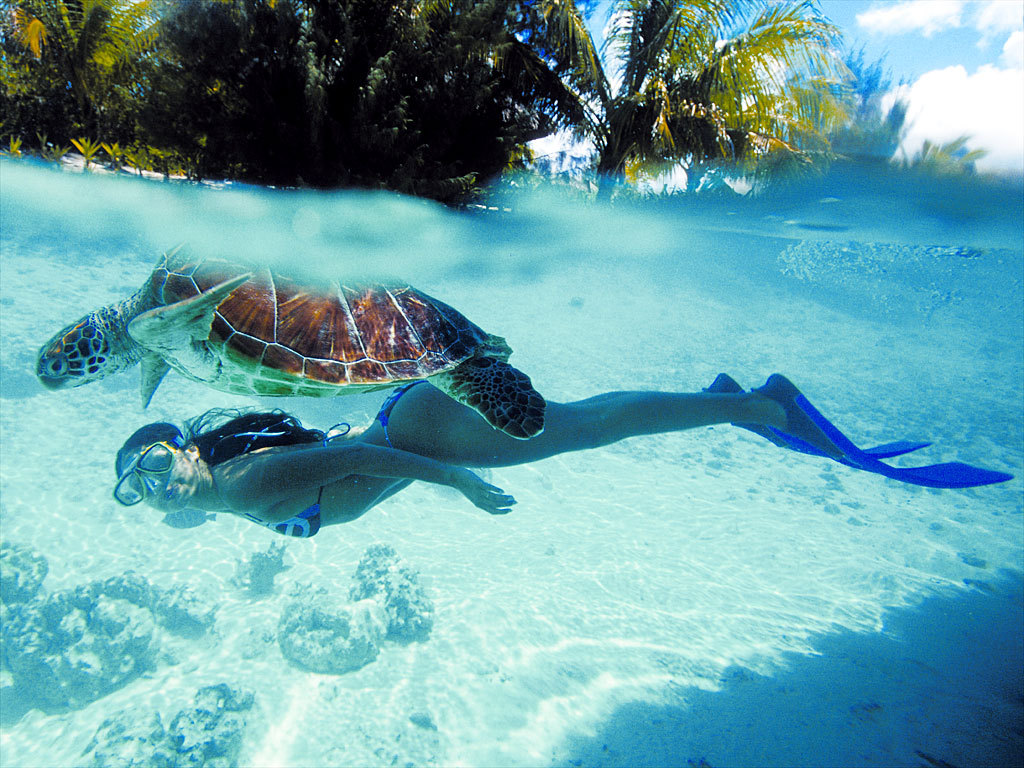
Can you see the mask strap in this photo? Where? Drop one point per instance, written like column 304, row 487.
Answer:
column 253, row 436
column 341, row 425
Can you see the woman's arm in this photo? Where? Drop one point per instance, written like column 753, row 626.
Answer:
column 260, row 480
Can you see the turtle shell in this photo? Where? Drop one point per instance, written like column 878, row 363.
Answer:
column 277, row 333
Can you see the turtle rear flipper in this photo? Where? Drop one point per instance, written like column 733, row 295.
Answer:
column 503, row 395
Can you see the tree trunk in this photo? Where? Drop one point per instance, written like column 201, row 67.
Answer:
column 609, row 173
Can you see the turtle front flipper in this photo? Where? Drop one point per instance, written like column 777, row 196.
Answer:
column 503, row 395
column 178, row 331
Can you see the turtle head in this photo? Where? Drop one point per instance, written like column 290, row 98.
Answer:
column 83, row 352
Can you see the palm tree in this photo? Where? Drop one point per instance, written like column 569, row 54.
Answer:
column 948, row 159
column 90, row 46
column 873, row 133
column 704, row 81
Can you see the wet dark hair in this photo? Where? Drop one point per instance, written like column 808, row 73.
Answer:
column 241, row 433
column 245, row 432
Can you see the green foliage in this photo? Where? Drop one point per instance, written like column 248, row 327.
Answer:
column 51, row 152
column 873, row 133
column 951, row 158
column 74, row 66
column 54, row 152
column 138, row 157
column 426, row 97
column 88, row 148
column 429, row 98
column 115, row 153
column 423, row 98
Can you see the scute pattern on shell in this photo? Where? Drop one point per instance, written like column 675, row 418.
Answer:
column 289, row 337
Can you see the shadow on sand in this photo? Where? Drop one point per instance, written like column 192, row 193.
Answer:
column 942, row 685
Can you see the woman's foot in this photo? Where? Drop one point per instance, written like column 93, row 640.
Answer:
column 724, row 384
column 797, row 423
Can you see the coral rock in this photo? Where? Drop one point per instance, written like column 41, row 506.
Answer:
column 21, row 573
column 127, row 741
column 257, row 573
column 331, row 639
column 208, row 735
column 181, row 611
column 381, row 575
column 211, row 733
column 177, row 609
column 71, row 649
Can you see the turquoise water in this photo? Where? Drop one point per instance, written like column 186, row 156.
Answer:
column 691, row 598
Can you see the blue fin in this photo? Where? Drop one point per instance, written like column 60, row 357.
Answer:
column 953, row 474
column 898, row 448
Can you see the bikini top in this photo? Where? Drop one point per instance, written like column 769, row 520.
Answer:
column 304, row 525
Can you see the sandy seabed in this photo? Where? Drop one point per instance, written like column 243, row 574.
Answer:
column 700, row 598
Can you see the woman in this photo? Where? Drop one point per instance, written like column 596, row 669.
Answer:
column 267, row 468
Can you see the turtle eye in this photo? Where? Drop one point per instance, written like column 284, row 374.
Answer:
column 56, row 366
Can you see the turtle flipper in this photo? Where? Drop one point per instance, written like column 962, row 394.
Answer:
column 503, row 395
column 167, row 330
column 154, row 368
column 177, row 333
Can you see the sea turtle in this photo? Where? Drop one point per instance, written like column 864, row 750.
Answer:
column 260, row 332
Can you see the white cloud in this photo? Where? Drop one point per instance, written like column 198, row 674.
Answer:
column 988, row 106
column 1000, row 15
column 997, row 17
column 560, row 153
column 1013, row 51
column 926, row 16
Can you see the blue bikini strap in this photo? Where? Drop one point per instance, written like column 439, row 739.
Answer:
column 384, row 414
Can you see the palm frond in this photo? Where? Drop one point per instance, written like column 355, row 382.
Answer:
column 31, row 31
column 560, row 33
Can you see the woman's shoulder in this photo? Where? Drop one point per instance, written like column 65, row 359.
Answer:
column 263, row 454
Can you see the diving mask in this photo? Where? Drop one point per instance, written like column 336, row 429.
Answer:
column 145, row 474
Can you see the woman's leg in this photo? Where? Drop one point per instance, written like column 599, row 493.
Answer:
column 428, row 422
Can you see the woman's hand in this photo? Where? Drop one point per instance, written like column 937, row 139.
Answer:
column 487, row 497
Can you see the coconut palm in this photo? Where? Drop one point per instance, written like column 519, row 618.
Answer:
column 702, row 81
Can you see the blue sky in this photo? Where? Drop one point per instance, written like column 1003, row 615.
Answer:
column 918, row 37
column 961, row 63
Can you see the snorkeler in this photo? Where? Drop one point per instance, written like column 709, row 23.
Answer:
column 269, row 469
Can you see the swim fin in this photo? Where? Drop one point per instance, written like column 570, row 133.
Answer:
column 947, row 475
